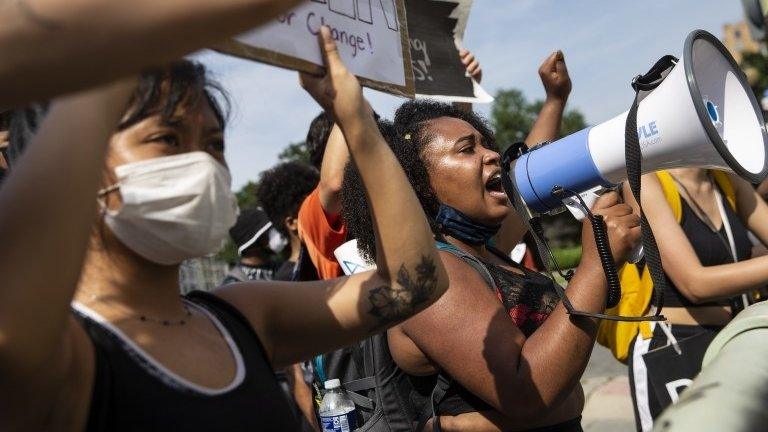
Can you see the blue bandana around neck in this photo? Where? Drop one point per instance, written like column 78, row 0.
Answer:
column 460, row 226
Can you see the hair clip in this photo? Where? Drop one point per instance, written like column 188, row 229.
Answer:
column 407, row 136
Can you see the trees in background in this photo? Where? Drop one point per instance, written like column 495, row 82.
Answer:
column 512, row 117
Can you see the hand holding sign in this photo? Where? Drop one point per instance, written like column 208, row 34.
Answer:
column 338, row 91
column 473, row 66
column 554, row 76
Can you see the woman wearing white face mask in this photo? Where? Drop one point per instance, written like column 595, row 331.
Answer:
column 130, row 354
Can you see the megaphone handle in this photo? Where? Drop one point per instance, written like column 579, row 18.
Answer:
column 606, row 260
column 636, row 255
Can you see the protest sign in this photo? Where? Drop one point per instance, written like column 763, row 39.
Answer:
column 436, row 29
column 372, row 38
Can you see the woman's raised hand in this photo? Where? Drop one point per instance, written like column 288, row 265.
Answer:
column 338, row 91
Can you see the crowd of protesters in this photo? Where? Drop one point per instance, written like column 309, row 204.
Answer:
column 113, row 173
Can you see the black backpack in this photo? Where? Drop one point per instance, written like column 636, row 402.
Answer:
column 375, row 383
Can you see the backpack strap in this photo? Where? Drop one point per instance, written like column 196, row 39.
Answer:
column 443, row 381
column 360, row 385
column 671, row 194
column 469, row 259
column 438, row 393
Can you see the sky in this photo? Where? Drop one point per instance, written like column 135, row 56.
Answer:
column 605, row 42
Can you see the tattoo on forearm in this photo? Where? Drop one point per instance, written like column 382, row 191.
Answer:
column 390, row 304
column 35, row 17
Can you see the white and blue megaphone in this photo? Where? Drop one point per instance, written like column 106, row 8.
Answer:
column 703, row 114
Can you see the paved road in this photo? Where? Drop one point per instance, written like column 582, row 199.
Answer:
column 609, row 404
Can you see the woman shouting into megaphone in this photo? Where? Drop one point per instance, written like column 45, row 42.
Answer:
column 497, row 351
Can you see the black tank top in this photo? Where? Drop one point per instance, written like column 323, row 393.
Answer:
column 710, row 249
column 131, row 392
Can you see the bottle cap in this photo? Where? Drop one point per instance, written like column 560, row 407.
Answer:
column 332, row 384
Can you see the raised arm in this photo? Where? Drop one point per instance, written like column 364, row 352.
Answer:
column 53, row 47
column 335, row 159
column 557, row 85
column 479, row 345
column 47, row 208
column 299, row 320
column 696, row 282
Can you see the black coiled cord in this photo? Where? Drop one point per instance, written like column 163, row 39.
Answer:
column 603, row 246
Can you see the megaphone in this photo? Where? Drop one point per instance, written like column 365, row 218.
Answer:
column 703, row 114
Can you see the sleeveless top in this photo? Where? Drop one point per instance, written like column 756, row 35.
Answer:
column 132, row 391
column 710, row 249
column 528, row 298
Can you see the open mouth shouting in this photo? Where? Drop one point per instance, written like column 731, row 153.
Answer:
column 493, row 186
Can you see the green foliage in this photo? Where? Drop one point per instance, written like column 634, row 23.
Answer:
column 573, row 121
column 246, row 197
column 295, row 152
column 513, row 116
column 568, row 257
column 228, row 253
column 755, row 65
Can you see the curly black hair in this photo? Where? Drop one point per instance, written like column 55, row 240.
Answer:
column 407, row 136
column 317, row 138
column 283, row 188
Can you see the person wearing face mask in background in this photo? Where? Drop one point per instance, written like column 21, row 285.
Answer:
column 257, row 242
column 129, row 353
column 281, row 191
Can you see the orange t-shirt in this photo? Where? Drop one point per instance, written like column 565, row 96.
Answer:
column 322, row 233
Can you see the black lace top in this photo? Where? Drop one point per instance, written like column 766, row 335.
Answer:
column 528, row 298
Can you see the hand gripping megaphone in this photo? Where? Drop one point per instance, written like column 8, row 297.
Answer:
column 702, row 114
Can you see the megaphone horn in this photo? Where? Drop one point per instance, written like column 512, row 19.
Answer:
column 703, row 114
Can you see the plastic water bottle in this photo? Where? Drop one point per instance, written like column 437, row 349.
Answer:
column 337, row 411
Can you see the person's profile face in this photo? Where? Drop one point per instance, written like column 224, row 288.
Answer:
column 189, row 129
column 463, row 171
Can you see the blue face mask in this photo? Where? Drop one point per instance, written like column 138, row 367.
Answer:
column 460, row 226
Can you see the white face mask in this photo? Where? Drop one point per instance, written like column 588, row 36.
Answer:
column 173, row 207
column 276, row 241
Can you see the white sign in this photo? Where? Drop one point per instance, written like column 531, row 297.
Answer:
column 350, row 260
column 371, row 36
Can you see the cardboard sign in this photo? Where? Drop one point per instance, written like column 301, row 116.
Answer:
column 371, row 35
column 436, row 29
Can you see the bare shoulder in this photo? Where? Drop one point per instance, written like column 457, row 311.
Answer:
column 468, row 294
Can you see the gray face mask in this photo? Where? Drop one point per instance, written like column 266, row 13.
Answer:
column 173, row 208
